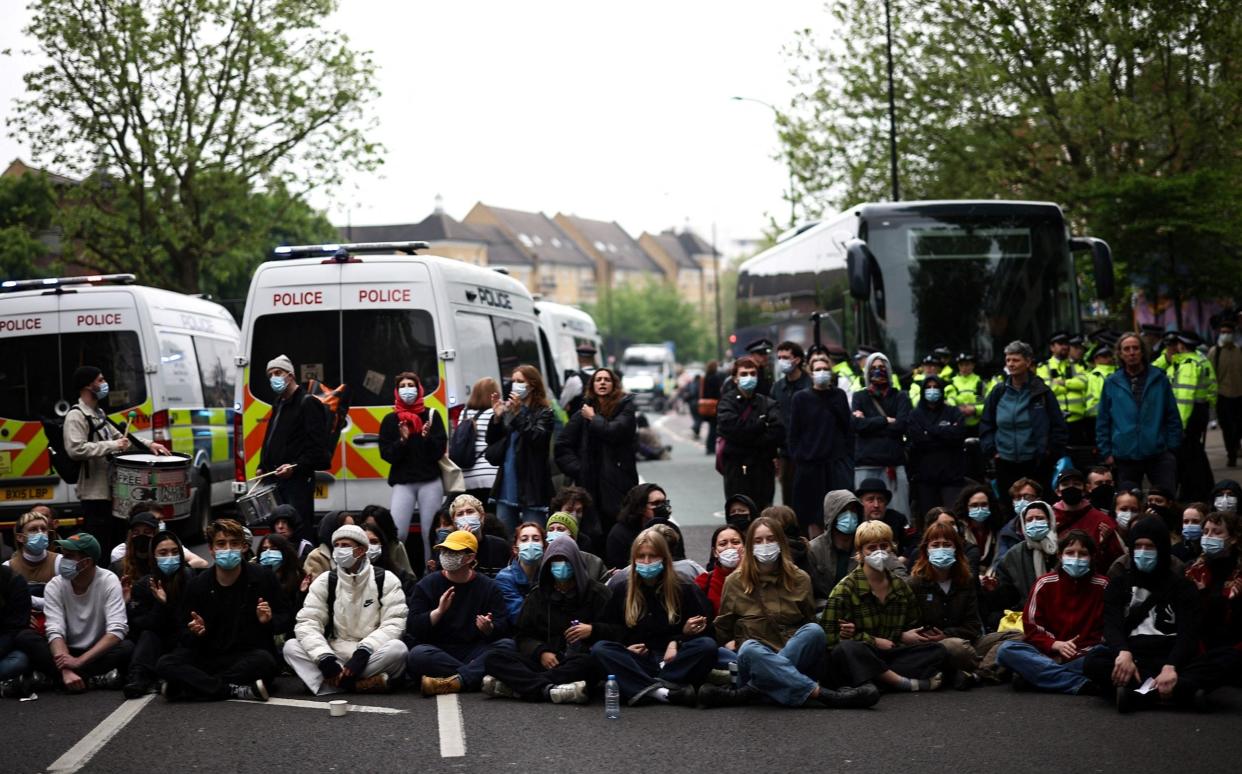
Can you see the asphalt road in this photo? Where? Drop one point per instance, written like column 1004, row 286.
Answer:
column 984, row 730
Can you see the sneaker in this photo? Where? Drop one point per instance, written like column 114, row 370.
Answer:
column 169, row 691
column 860, row 697
column 726, row 696
column 496, row 689
column 436, row 686
column 14, row 689
column 373, row 684
column 39, row 681
column 681, row 695
column 108, row 681
column 255, row 691
column 135, row 689
column 568, row 693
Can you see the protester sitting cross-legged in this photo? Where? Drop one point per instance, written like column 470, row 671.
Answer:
column 1010, row 584
column 457, row 616
column 522, row 574
column 943, row 585
column 394, row 540
column 727, row 546
column 872, row 623
column 1062, row 621
column 348, row 632
column 1217, row 575
column 278, row 555
column 155, row 601
column 767, row 615
column 831, row 554
column 656, row 634
column 555, row 631
column 562, row 524
column 493, row 552
column 641, row 504
column 229, row 616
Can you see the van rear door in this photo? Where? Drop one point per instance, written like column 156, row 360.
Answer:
column 30, row 388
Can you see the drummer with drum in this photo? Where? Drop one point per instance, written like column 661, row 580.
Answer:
column 91, row 438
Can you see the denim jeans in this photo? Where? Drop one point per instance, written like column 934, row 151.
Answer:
column 1040, row 670
column 784, row 676
column 13, row 661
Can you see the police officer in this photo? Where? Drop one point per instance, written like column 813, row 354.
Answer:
column 1102, row 365
column 573, row 393
column 944, row 356
column 1069, row 385
column 761, row 350
column 1194, row 390
column 968, row 391
column 929, row 367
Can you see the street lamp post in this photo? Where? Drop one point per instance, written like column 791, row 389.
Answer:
column 793, row 220
column 892, row 105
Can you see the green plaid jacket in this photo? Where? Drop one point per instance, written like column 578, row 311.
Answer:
column 853, row 601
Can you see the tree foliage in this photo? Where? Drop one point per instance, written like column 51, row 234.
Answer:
column 26, row 207
column 652, row 313
column 1124, row 113
column 195, row 124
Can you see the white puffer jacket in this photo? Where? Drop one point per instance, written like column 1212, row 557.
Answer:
column 360, row 619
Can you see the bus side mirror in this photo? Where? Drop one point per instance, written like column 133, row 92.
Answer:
column 1101, row 263
column 858, row 261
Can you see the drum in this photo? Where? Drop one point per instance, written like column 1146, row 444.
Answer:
column 160, row 482
column 257, row 505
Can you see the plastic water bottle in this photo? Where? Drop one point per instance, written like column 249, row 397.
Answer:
column 612, row 699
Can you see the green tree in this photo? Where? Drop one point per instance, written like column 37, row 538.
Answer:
column 26, row 207
column 177, row 114
column 652, row 313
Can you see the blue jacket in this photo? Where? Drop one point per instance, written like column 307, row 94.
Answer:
column 1127, row 431
column 1047, row 421
column 514, row 585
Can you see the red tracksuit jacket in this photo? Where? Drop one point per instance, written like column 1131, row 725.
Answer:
column 1061, row 608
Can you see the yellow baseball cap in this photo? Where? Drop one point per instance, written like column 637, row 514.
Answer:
column 461, row 540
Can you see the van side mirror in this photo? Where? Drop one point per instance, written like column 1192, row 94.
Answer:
column 1101, row 263
column 858, row 261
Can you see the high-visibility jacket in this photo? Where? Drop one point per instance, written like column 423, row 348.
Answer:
column 969, row 391
column 1095, row 386
column 1193, row 381
column 1068, row 383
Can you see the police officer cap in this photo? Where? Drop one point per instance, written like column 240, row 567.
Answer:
column 1103, row 351
column 1060, row 337
column 942, row 351
column 1076, row 340
column 931, row 360
column 1189, row 338
column 966, row 357
column 760, row 346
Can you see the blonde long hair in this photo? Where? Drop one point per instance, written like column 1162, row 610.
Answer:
column 750, row 568
column 635, row 606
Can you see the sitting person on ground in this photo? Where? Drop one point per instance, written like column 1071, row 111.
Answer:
column 155, row 601
column 457, row 617
column 1127, row 504
column 1022, row 493
column 831, row 553
column 319, row 560
column 655, row 636
column 876, row 497
column 740, row 511
column 1217, row 576
column 767, row 616
column 348, row 632
column 14, row 619
column 788, row 519
column 727, row 546
column 940, row 515
column 278, row 555
column 555, row 632
column 1186, row 544
column 32, row 560
column 379, row 554
column 564, row 524
column 981, row 515
column 229, row 618
column 641, row 504
column 287, row 523
column 577, row 502
column 143, row 524
column 493, row 552
column 687, row 570
column 1062, row 621
column 1075, row 511
column 1007, row 588
column 381, row 517
column 522, row 574
column 945, row 589
column 872, row 623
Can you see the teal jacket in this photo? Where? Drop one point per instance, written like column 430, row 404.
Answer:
column 1129, row 431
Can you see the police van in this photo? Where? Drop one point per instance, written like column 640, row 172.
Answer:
column 564, row 329
column 359, row 314
column 168, row 359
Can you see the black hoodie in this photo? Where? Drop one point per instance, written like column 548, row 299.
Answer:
column 547, row 612
column 146, row 612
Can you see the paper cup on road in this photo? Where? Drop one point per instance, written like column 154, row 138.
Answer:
column 338, row 708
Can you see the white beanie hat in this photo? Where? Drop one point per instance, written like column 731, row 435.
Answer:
column 351, row 532
column 282, row 362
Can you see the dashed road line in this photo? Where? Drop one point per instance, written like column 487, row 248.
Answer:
column 452, row 729
column 323, row 705
column 81, row 753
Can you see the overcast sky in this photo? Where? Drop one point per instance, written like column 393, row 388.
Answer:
column 610, row 111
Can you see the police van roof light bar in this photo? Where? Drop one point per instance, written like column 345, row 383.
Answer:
column 341, row 252
column 10, row 286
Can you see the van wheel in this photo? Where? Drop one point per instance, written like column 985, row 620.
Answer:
column 191, row 527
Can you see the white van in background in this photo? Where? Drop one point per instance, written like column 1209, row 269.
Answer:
column 168, row 358
column 564, row 329
column 359, row 314
column 649, row 373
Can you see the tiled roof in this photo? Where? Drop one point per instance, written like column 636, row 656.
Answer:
column 613, row 244
column 436, row 227
column 540, row 236
column 672, row 245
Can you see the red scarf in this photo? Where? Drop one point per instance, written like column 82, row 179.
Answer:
column 411, row 414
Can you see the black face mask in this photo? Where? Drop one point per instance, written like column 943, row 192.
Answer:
column 1072, row 496
column 662, row 511
column 1102, row 497
column 141, row 545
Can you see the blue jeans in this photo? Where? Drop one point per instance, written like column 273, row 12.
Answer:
column 513, row 515
column 784, row 676
column 636, row 673
column 725, row 657
column 1039, row 670
column 13, row 662
column 431, row 661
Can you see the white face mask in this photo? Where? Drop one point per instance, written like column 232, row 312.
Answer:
column 767, row 553
column 729, row 558
column 1124, row 518
column 1226, row 503
column 1224, row 339
column 373, row 553
column 876, row 559
column 344, row 557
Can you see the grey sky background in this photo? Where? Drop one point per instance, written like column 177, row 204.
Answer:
column 610, row 111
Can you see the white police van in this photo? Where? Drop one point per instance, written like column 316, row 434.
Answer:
column 564, row 329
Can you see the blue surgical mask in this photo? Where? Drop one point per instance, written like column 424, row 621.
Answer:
column 1212, row 546
column 747, row 383
column 1192, row 531
column 101, row 391
column 442, row 534
column 530, row 552
column 821, row 378
column 933, row 394
column 469, row 524
column 847, row 522
column 1020, row 505
column 408, row 394
column 1037, row 530
column 1124, row 518
column 68, row 569
column 556, row 536
column 649, row 571
column 271, row 558
column 980, row 515
column 1076, row 566
column 36, row 543
column 278, row 384
column 784, row 366
column 563, row 571
column 942, row 557
column 1145, row 559
column 169, row 564
column 228, row 558
column 519, row 389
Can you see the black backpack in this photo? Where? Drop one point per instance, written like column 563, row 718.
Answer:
column 329, row 631
column 461, row 448
column 65, row 466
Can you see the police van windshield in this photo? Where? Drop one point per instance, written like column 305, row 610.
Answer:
column 30, row 389
column 363, row 348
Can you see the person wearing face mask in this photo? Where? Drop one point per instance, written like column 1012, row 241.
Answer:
column 831, row 555
column 278, row 555
column 555, row 630
column 1009, row 584
column 641, row 504
column 295, row 440
column 1217, row 577
column 1075, row 512
column 655, row 634
column 935, row 434
column 1100, row 488
column 740, row 511
column 348, row 632
column 287, row 523
column 945, row 589
column 872, row 623
column 227, row 622
column 412, row 439
column 91, row 438
column 1138, row 429
column 522, row 573
column 1022, row 493
column 1225, row 495
column 1127, row 505
column 820, row 442
column 727, row 546
column 767, row 615
column 1186, row 542
column 493, row 553
column 563, row 525
column 791, row 378
column 85, row 636
column 749, row 424
column 319, row 560
column 1226, row 360
column 880, row 416
column 380, row 554
column 154, row 601
column 981, row 517
column 32, row 560
column 457, row 617
column 395, row 552
column 136, row 560
column 1062, row 621
column 518, row 439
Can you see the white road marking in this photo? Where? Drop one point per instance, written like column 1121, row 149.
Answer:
column 80, row 754
column 323, row 705
column 452, row 730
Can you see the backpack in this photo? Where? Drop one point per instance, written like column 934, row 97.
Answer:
column 329, row 630
column 334, row 402
column 461, row 447
column 69, row 469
